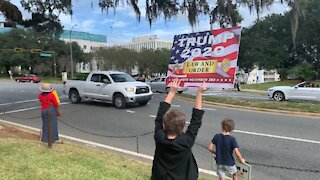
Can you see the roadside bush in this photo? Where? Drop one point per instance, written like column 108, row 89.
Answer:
column 303, row 72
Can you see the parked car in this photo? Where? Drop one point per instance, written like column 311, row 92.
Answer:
column 159, row 85
column 28, row 78
column 301, row 91
column 114, row 87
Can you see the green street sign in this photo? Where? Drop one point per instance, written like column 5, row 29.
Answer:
column 45, row 55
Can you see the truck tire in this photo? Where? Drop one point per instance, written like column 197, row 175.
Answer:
column 74, row 97
column 143, row 103
column 119, row 101
column 167, row 90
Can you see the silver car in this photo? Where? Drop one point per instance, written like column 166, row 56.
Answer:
column 301, row 91
column 159, row 85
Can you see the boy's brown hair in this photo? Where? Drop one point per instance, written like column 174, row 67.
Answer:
column 174, row 121
column 227, row 125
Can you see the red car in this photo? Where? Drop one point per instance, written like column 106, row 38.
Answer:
column 28, row 78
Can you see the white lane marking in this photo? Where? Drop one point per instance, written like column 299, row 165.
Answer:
column 129, row 111
column 25, row 101
column 94, row 144
column 175, row 105
column 153, row 116
column 209, row 109
column 210, row 94
column 19, row 102
column 278, row 137
column 27, row 109
column 20, row 110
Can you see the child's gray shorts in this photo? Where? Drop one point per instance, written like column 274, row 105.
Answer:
column 222, row 170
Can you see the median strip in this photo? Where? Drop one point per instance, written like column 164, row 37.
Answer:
column 291, row 108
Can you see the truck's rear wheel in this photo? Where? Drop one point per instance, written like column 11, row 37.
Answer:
column 74, row 97
column 119, row 101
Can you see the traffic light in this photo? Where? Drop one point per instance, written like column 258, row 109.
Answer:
column 36, row 51
column 17, row 50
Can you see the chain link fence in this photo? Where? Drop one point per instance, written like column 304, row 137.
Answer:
column 141, row 134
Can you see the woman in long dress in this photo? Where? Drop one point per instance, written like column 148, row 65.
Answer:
column 49, row 107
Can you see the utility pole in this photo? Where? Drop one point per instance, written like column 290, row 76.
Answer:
column 71, row 51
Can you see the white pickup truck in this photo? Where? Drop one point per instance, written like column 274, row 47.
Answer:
column 109, row 86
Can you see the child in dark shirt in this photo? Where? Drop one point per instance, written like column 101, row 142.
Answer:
column 173, row 158
column 222, row 146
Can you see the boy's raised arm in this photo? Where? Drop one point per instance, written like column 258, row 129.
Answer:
column 165, row 106
column 198, row 102
column 197, row 114
column 174, row 86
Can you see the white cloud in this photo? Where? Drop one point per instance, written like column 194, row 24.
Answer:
column 251, row 17
column 107, row 21
column 87, row 25
column 119, row 24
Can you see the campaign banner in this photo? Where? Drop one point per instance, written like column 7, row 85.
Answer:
column 55, row 94
column 209, row 56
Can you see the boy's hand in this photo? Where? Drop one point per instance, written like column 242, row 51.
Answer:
column 174, row 85
column 243, row 161
column 202, row 88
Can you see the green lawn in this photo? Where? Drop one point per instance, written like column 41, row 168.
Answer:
column 265, row 86
column 25, row 159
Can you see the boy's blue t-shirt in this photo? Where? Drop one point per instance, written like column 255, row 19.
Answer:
column 225, row 145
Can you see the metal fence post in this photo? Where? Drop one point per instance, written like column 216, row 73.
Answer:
column 137, row 141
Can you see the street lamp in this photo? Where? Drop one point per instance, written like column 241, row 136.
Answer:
column 71, row 51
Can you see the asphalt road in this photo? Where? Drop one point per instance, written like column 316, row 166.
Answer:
column 230, row 94
column 271, row 140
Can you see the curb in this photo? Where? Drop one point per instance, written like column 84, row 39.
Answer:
column 293, row 113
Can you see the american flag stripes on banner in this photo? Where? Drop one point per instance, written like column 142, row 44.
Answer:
column 209, row 56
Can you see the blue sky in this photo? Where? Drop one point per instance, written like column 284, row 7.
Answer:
column 123, row 25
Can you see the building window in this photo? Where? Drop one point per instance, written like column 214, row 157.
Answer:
column 84, row 47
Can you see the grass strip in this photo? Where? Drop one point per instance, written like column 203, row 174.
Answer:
column 25, row 159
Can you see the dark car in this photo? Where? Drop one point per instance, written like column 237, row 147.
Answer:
column 28, row 78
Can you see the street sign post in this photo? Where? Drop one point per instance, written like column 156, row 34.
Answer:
column 45, row 55
column 244, row 170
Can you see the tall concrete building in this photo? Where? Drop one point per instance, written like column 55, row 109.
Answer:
column 88, row 42
column 146, row 42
